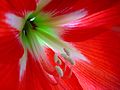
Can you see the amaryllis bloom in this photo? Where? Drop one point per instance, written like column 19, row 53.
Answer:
column 59, row 45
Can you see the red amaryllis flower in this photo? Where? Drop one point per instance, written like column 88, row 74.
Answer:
column 59, row 45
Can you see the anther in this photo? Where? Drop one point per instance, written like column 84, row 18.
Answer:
column 59, row 71
column 64, row 55
column 71, row 60
column 57, row 60
column 66, row 51
column 68, row 59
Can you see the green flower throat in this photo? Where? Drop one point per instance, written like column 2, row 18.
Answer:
column 38, row 34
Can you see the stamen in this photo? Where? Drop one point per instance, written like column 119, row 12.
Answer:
column 66, row 51
column 59, row 71
column 68, row 59
column 64, row 56
column 57, row 60
column 71, row 61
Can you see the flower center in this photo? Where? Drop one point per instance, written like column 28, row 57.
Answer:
column 37, row 35
column 39, row 31
column 29, row 25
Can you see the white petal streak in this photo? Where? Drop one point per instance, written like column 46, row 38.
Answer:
column 68, row 18
column 22, row 63
column 14, row 21
column 79, row 56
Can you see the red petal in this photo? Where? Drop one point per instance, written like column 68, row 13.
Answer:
column 102, row 73
column 91, row 25
column 60, row 7
column 34, row 78
column 10, row 47
column 71, row 83
column 66, row 6
column 19, row 7
column 4, row 5
column 82, row 34
column 9, row 76
column 95, row 6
